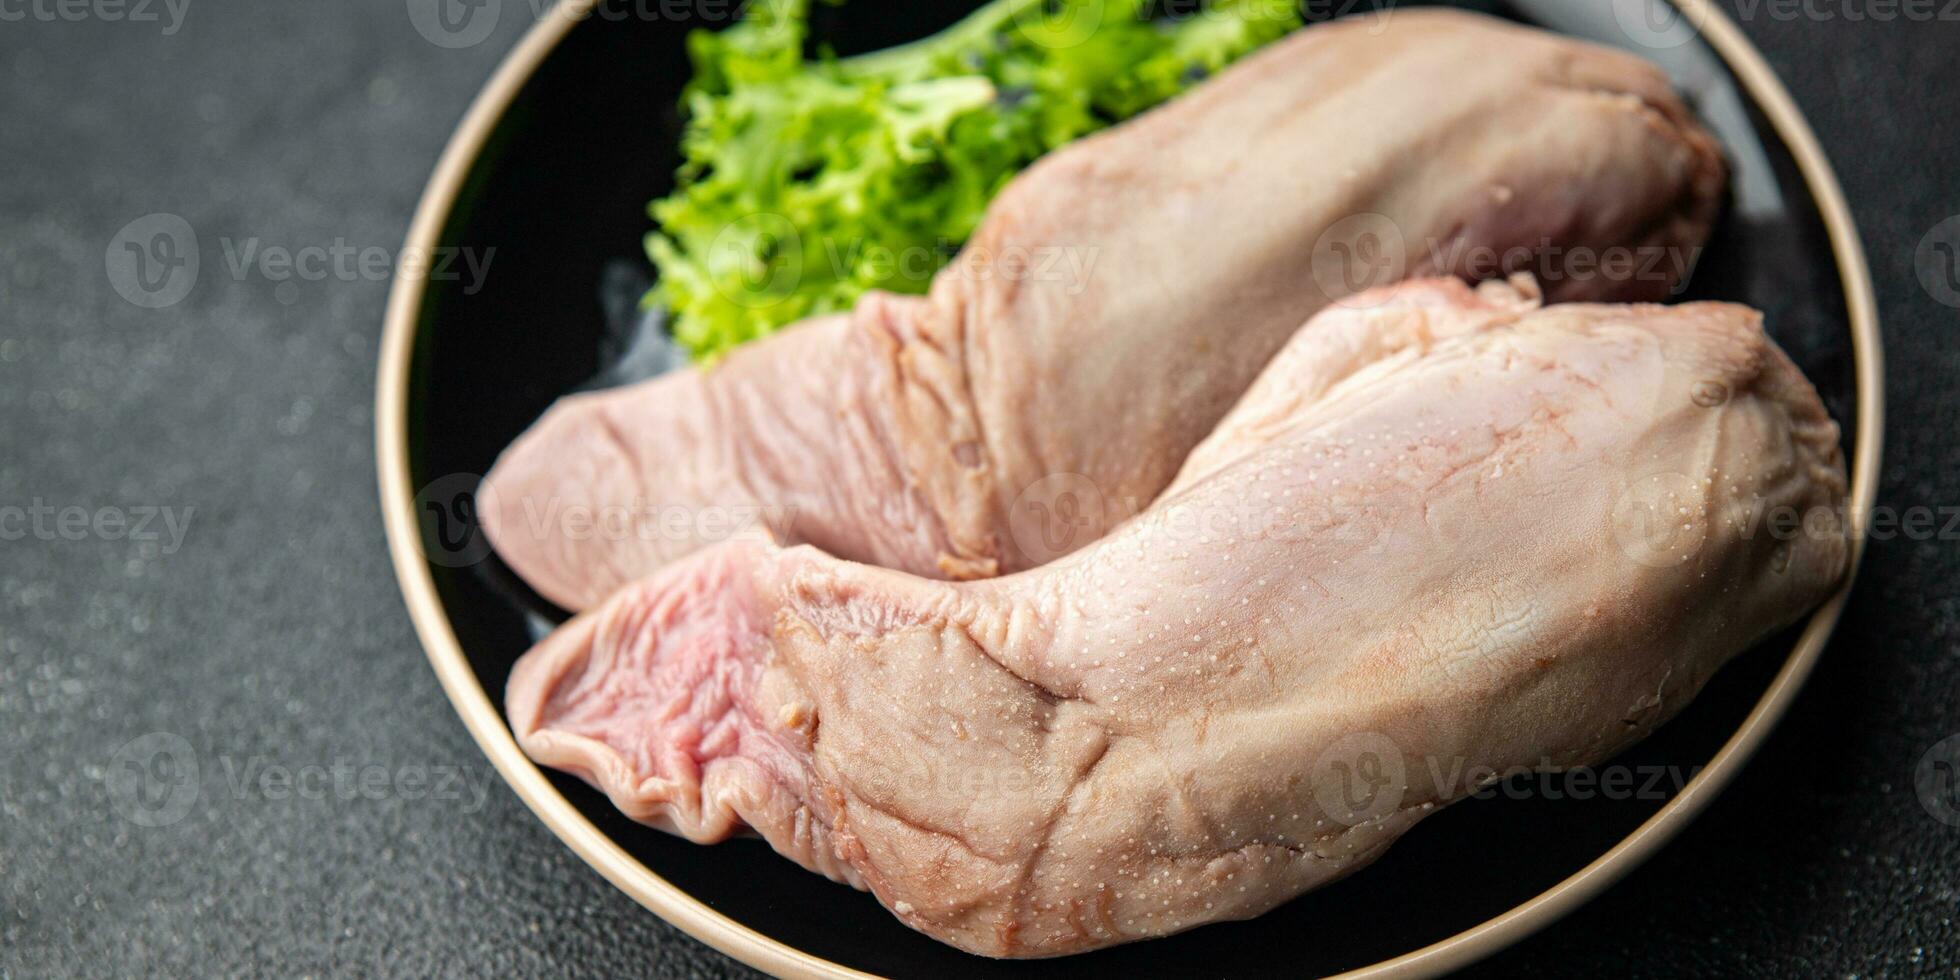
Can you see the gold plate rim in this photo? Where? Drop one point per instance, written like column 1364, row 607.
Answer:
column 486, row 724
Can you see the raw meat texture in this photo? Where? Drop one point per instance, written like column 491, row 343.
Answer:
column 1117, row 300
column 1444, row 527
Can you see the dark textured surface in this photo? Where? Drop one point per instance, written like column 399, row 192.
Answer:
column 272, row 638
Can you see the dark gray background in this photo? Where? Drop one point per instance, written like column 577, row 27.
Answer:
column 274, row 636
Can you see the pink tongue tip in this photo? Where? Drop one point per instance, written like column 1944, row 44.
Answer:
column 652, row 696
column 541, row 500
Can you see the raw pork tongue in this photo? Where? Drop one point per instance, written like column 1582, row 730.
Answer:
column 1444, row 529
column 1117, row 299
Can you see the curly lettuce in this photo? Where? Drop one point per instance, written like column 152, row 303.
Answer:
column 804, row 183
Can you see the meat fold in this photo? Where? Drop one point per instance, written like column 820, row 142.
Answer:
column 1445, row 531
column 1116, row 301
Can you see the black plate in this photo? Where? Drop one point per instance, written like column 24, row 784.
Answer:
column 560, row 192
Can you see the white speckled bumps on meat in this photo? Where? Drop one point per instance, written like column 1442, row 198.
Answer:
column 1168, row 259
column 1421, row 528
